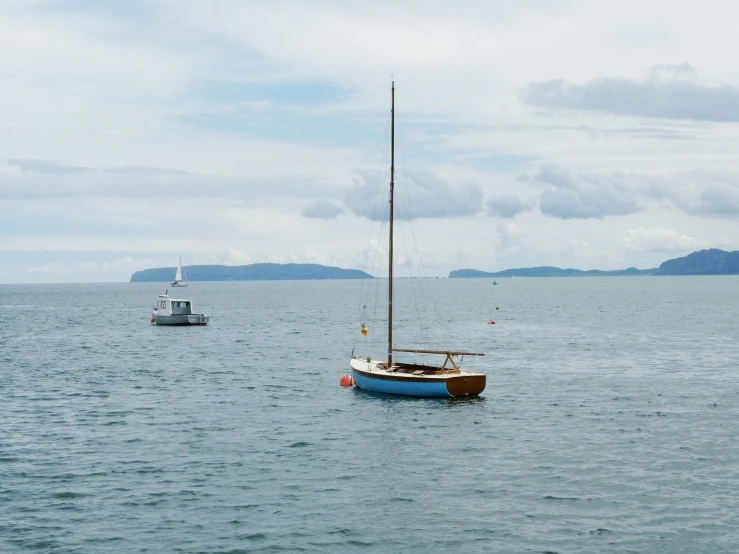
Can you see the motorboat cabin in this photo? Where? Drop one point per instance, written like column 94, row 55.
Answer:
column 176, row 311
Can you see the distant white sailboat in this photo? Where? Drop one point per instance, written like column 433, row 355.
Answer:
column 178, row 278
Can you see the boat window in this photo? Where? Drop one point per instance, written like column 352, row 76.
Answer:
column 163, row 304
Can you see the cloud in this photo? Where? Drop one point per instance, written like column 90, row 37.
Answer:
column 668, row 91
column 429, row 196
column 584, row 195
column 239, row 118
column 39, row 179
column 511, row 238
column 712, row 198
column 706, row 193
column 659, row 241
column 587, row 195
column 508, row 205
column 40, row 269
column 232, row 256
column 517, row 246
column 322, row 209
column 61, row 268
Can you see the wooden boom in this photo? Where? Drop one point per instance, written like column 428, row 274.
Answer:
column 446, row 352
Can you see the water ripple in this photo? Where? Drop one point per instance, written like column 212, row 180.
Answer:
column 608, row 424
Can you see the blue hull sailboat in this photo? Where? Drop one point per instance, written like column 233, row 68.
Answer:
column 409, row 379
column 417, row 380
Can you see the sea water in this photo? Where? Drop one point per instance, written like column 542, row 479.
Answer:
column 609, row 422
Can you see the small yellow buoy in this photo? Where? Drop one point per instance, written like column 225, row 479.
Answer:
column 497, row 308
column 364, row 329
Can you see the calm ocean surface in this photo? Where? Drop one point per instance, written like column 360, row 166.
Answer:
column 610, row 421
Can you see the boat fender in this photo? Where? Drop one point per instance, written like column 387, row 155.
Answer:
column 347, row 381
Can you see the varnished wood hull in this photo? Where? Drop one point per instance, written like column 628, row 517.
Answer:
column 369, row 376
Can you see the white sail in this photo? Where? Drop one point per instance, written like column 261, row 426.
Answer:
column 178, row 275
column 178, row 280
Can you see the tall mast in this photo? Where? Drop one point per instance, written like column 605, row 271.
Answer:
column 390, row 269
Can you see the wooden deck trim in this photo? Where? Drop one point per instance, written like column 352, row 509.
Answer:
column 405, row 377
column 433, row 377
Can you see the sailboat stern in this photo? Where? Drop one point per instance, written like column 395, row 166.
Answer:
column 466, row 385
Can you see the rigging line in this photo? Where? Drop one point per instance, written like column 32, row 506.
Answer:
column 378, row 256
column 375, row 284
column 377, row 188
column 367, row 288
column 413, row 231
column 424, row 342
column 405, row 202
column 419, row 258
column 379, row 176
column 379, row 260
column 376, row 269
column 378, row 252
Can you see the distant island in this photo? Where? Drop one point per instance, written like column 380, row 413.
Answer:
column 251, row 272
column 704, row 262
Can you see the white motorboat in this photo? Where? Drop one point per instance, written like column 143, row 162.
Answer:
column 175, row 311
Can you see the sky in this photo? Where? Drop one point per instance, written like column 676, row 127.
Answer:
column 557, row 132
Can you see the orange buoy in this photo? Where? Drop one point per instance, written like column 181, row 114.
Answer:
column 347, row 381
column 152, row 320
column 491, row 322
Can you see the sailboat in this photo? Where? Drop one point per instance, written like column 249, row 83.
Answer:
column 411, row 379
column 178, row 280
